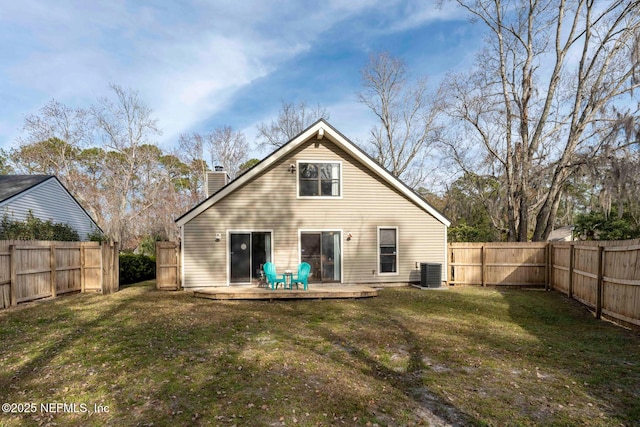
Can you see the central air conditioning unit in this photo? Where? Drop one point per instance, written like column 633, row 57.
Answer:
column 430, row 275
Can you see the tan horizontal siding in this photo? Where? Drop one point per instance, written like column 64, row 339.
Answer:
column 270, row 203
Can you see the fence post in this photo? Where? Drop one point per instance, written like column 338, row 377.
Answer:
column 600, row 281
column 571, row 266
column 482, row 262
column 52, row 265
column 83, row 279
column 14, row 275
column 449, row 264
column 179, row 264
column 552, row 271
column 547, row 275
column 104, row 263
column 101, row 266
column 116, row 266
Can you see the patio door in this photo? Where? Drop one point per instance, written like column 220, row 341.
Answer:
column 248, row 253
column 322, row 251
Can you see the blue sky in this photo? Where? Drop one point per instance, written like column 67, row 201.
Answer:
column 202, row 64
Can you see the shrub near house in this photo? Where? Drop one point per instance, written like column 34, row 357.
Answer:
column 36, row 229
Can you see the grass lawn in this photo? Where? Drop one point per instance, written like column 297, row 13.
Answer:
column 464, row 356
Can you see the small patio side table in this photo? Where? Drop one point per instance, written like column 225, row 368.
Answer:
column 288, row 279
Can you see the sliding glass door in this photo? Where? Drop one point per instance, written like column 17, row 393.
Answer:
column 322, row 250
column 248, row 253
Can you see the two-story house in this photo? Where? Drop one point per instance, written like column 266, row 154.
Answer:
column 317, row 199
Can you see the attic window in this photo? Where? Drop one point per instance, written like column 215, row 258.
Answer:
column 319, row 179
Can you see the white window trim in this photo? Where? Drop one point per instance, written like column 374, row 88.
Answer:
column 182, row 251
column 227, row 249
column 338, row 162
column 320, row 230
column 389, row 227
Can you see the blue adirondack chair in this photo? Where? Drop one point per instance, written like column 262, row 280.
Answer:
column 303, row 276
column 272, row 277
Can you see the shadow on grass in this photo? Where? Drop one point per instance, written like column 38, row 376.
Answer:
column 600, row 361
column 405, row 358
column 267, row 363
column 44, row 331
column 407, row 380
column 331, row 335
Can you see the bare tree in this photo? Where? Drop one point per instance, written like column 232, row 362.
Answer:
column 107, row 157
column 51, row 140
column 408, row 127
column 191, row 152
column 227, row 148
column 534, row 123
column 292, row 120
column 126, row 129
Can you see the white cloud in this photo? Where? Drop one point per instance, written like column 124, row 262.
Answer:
column 187, row 60
column 423, row 12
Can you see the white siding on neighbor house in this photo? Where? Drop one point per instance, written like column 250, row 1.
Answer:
column 49, row 200
column 270, row 202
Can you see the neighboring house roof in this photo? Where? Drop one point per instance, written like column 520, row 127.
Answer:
column 321, row 129
column 12, row 185
column 562, row 234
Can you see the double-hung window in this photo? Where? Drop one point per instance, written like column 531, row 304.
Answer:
column 388, row 250
column 319, row 179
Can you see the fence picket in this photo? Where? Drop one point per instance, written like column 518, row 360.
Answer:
column 40, row 269
column 604, row 276
column 167, row 265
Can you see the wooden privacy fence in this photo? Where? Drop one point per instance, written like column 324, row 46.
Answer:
column 498, row 264
column 604, row 276
column 168, row 266
column 31, row 270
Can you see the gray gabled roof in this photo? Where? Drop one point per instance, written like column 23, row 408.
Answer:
column 12, row 185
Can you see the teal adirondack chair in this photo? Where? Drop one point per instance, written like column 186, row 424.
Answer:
column 272, row 277
column 303, row 276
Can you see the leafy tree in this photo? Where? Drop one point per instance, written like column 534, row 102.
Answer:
column 601, row 225
column 147, row 246
column 51, row 156
column 5, row 167
column 463, row 232
column 248, row 165
column 474, row 204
